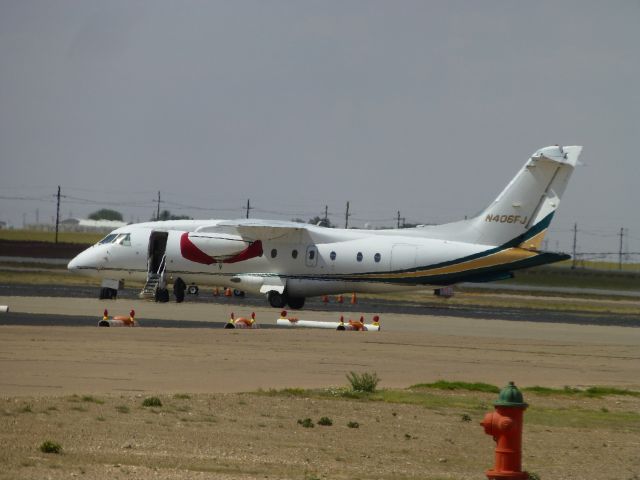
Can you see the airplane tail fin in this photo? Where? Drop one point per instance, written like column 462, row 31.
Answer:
column 521, row 214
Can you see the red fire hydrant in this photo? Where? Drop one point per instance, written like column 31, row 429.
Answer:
column 505, row 426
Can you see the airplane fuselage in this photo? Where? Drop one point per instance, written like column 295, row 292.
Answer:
column 289, row 261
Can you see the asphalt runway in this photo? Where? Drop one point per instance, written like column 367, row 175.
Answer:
column 184, row 347
column 364, row 305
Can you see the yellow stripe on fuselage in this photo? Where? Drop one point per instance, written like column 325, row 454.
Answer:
column 502, row 257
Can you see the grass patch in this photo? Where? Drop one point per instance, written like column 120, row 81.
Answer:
column 151, row 402
column 91, row 399
column 445, row 385
column 122, row 409
column 43, row 236
column 591, row 392
column 425, row 396
column 284, row 392
column 49, row 446
column 182, row 396
column 583, row 418
column 353, row 425
column 363, row 382
column 26, row 409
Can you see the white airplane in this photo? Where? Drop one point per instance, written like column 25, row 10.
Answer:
column 290, row 261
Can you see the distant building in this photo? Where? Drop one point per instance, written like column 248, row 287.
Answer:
column 87, row 225
column 78, row 225
column 2, row 224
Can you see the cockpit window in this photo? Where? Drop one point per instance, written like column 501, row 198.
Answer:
column 124, row 239
column 108, row 239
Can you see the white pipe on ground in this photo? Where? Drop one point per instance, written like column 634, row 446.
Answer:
column 285, row 322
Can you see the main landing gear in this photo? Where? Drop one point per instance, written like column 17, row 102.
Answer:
column 108, row 293
column 280, row 300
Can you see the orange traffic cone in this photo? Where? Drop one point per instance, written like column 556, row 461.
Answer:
column 340, row 299
column 228, row 292
column 354, row 300
column 105, row 314
column 325, row 299
column 216, row 292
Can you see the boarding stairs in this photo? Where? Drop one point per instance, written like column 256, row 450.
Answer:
column 155, row 280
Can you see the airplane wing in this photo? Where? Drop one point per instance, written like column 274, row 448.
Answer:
column 252, row 230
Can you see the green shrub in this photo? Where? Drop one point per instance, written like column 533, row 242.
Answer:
column 306, row 423
column 151, row 402
column 353, row 425
column 365, row 382
column 325, row 421
column 50, row 447
column 122, row 409
column 465, row 417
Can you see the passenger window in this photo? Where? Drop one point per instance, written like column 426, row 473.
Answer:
column 294, row 253
column 359, row 256
column 274, row 253
column 332, row 255
column 312, row 254
column 377, row 257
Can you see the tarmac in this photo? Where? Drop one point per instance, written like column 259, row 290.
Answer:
column 62, row 358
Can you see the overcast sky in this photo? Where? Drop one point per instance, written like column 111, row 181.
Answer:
column 425, row 107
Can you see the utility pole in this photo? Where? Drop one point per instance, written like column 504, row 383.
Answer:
column 326, row 215
column 346, row 217
column 620, row 251
column 58, row 213
column 248, row 207
column 575, row 239
column 158, row 211
column 398, row 219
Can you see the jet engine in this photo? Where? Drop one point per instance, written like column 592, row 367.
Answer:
column 208, row 248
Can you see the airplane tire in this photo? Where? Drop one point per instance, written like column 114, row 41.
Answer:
column 108, row 293
column 276, row 299
column 193, row 290
column 296, row 303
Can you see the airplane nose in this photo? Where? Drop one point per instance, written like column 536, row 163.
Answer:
column 82, row 263
column 73, row 264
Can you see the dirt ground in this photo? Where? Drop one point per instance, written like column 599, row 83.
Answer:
column 83, row 388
